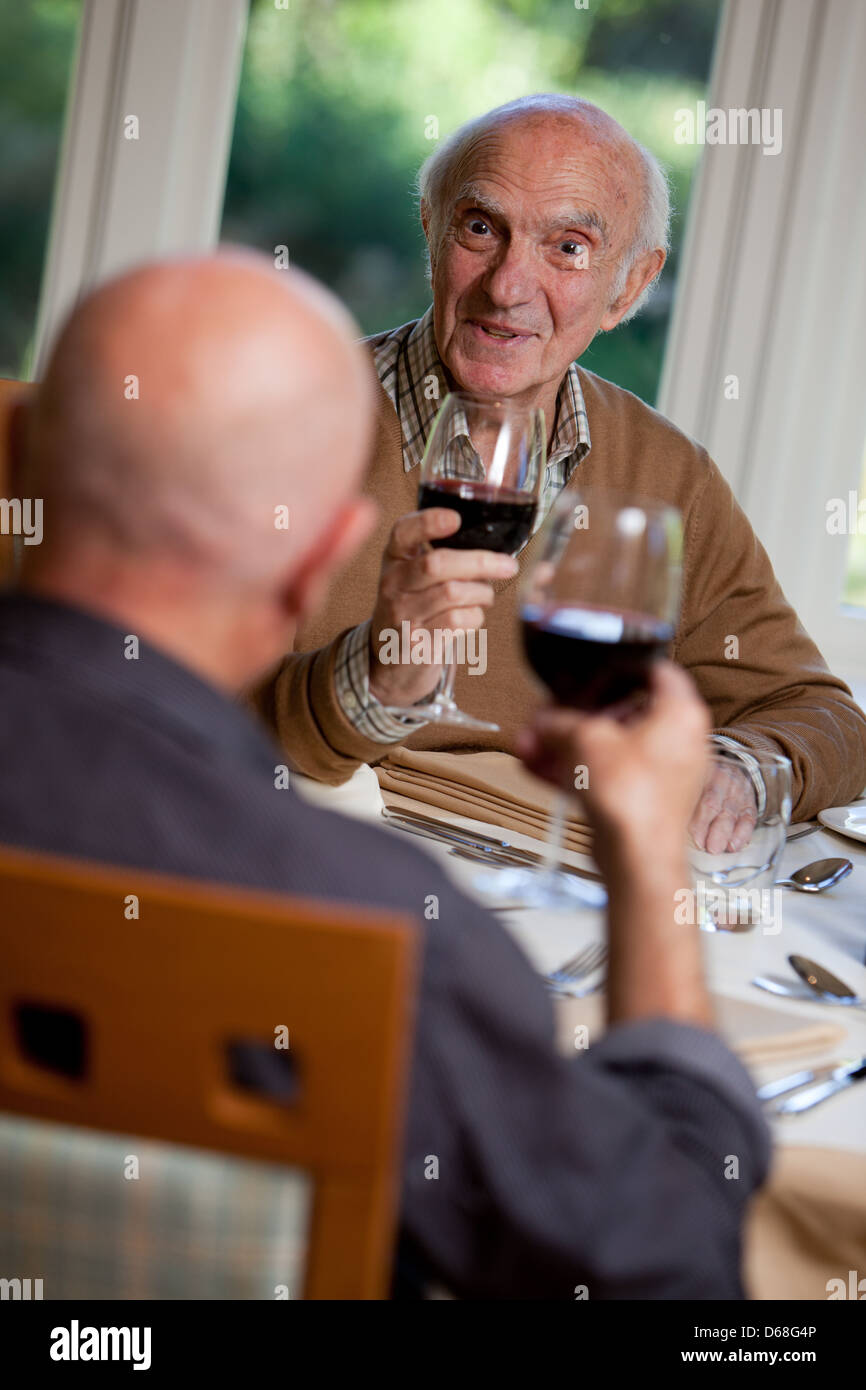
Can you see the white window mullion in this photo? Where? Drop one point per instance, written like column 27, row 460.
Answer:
column 174, row 65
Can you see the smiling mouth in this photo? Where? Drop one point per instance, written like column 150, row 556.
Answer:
column 501, row 334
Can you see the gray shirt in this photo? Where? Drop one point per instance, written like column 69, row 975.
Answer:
column 607, row 1170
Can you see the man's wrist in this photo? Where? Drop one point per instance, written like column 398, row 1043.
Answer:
column 375, row 670
column 360, row 705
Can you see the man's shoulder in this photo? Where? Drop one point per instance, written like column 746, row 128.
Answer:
column 212, row 816
column 385, row 346
column 616, row 411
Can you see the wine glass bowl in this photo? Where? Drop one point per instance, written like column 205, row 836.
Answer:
column 601, row 605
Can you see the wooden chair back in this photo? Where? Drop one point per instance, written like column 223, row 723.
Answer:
column 165, row 977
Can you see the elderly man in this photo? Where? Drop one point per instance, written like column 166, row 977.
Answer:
column 546, row 223
column 606, row 1169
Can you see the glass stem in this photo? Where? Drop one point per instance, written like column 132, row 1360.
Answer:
column 446, row 695
column 553, row 847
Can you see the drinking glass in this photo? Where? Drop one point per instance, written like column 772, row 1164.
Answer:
column 485, row 460
column 734, row 890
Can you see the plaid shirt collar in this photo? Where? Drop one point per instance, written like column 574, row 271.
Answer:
column 410, row 369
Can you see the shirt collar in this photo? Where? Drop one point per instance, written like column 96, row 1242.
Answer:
column 415, row 381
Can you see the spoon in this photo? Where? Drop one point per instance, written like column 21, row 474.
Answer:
column 826, row 986
column 815, row 877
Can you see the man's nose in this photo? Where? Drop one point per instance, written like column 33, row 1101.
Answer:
column 511, row 277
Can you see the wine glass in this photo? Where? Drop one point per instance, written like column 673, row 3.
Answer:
column 598, row 609
column 485, row 460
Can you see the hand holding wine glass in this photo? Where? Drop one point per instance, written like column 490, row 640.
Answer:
column 485, row 462
column 430, row 588
column 646, row 772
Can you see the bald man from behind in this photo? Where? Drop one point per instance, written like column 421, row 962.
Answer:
column 606, row 1171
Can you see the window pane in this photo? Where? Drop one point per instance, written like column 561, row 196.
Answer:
column 340, row 103
column 37, row 43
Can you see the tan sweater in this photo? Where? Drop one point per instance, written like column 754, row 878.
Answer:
column 778, row 694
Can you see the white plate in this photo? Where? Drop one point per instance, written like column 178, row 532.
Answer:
column 848, row 820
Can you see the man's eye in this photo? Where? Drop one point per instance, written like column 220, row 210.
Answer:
column 477, row 226
column 570, row 248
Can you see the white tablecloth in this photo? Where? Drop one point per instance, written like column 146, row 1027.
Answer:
column 828, row 927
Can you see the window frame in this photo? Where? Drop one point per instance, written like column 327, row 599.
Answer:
column 751, row 301
column 175, row 65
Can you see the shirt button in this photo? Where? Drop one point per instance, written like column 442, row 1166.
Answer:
column 350, row 702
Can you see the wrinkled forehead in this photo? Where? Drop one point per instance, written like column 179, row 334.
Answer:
column 533, row 170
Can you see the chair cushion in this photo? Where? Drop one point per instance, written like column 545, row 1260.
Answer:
column 191, row 1224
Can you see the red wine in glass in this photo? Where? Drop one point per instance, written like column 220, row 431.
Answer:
column 590, row 658
column 491, row 518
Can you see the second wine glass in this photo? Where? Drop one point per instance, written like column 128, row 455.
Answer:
column 598, row 609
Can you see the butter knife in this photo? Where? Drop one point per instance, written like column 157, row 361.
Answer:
column 833, row 1071
column 439, row 830
column 813, row 1095
column 520, row 859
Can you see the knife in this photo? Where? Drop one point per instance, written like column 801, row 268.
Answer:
column 438, row 830
column 521, row 858
column 593, row 893
column 813, row 1095
column 444, row 836
column 834, row 1071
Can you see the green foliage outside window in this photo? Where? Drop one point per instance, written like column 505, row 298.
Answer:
column 335, row 107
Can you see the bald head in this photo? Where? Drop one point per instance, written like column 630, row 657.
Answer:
column 190, row 409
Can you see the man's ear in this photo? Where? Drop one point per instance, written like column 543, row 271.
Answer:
column 304, row 591
column 645, row 269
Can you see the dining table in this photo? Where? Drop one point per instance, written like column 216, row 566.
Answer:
column 805, row 1236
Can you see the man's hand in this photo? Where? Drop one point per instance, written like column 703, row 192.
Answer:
column 643, row 775
column 725, row 817
column 442, row 589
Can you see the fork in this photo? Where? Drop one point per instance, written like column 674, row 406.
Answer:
column 580, row 967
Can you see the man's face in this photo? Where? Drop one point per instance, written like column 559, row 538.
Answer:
column 532, row 252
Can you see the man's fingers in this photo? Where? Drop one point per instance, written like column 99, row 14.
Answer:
column 438, row 566
column 425, row 571
column 742, row 832
column 546, row 761
column 725, row 816
column 412, row 530
column 705, row 813
column 562, row 738
column 719, row 832
column 441, row 601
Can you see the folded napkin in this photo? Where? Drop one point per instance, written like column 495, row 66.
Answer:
column 808, row 1227
column 490, row 787
column 760, row 1036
